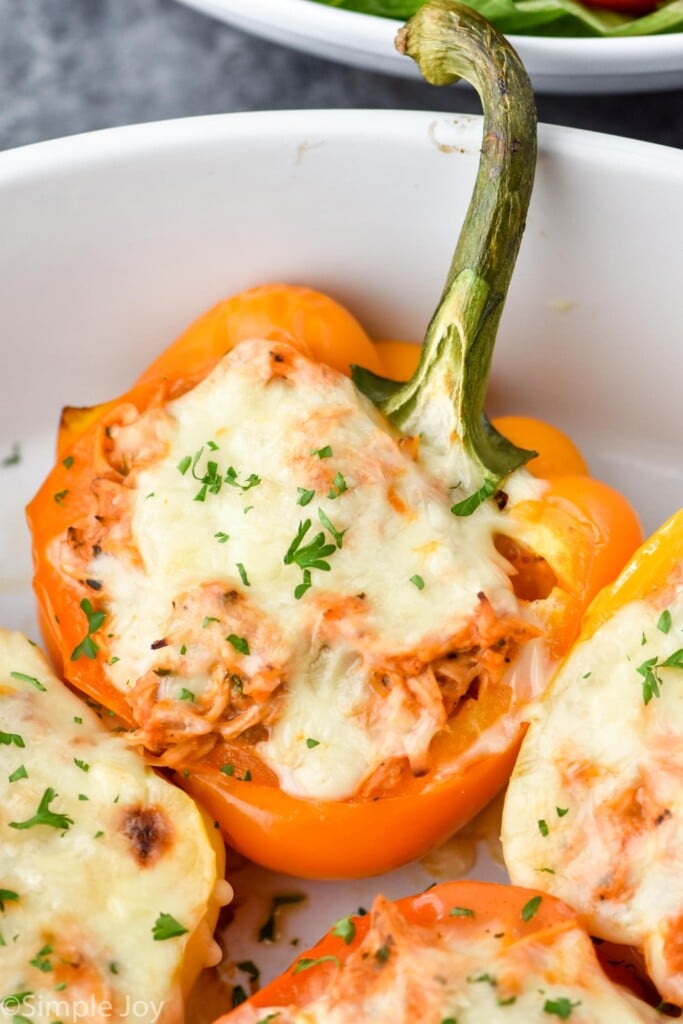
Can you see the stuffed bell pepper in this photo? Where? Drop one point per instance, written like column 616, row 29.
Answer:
column 460, row 953
column 111, row 878
column 323, row 602
column 594, row 812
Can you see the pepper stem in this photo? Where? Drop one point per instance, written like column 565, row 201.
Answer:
column 444, row 400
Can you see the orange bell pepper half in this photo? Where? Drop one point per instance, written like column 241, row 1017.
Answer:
column 460, row 946
column 554, row 546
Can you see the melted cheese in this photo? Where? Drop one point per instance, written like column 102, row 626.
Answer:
column 613, row 765
column 87, row 886
column 439, row 975
column 391, row 526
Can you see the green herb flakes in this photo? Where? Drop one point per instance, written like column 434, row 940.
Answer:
column 166, row 927
column 239, row 643
column 44, row 816
column 529, row 909
column 307, row 962
column 344, row 929
column 29, row 679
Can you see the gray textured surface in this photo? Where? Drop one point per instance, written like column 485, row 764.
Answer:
column 68, row 66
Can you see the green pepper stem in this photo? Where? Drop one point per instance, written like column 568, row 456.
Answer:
column 444, row 400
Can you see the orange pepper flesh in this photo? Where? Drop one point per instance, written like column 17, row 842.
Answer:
column 589, row 531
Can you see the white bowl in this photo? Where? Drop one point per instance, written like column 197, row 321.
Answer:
column 113, row 242
column 596, row 65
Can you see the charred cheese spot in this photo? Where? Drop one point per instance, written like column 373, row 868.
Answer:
column 149, row 833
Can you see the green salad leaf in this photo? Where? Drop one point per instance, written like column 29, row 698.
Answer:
column 540, row 17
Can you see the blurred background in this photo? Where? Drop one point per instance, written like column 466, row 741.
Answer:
column 68, row 66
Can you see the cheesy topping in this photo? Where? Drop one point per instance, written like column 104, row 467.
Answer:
column 108, row 881
column 402, row 973
column 283, row 566
column 594, row 812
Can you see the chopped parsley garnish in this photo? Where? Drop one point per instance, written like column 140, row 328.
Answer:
column 41, row 960
column 68, row 462
column 11, row 738
column 87, row 647
column 561, row 1008
column 418, row 582
column 183, row 650
column 14, row 458
column 238, row 995
column 483, row 977
column 268, row 1018
column 382, row 954
column 83, row 765
column 344, row 929
column 561, row 811
column 229, row 770
column 221, row 537
column 267, row 931
column 166, row 927
column 530, row 908
column 664, row 621
column 44, row 816
column 240, row 643
column 312, row 555
column 338, row 487
column 78, row 720
column 60, row 496
column 507, row 1002
column 469, row 505
column 250, row 969
column 243, row 574
column 7, row 896
column 186, row 695
column 253, row 480
column 212, row 480
column 16, row 999
column 29, row 679
column 307, row 962
column 460, row 912
column 543, row 827
column 19, row 773
column 309, row 556
column 305, row 497
column 322, row 453
column 310, row 743
column 207, row 620
column 649, row 669
column 337, row 534
column 305, row 585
